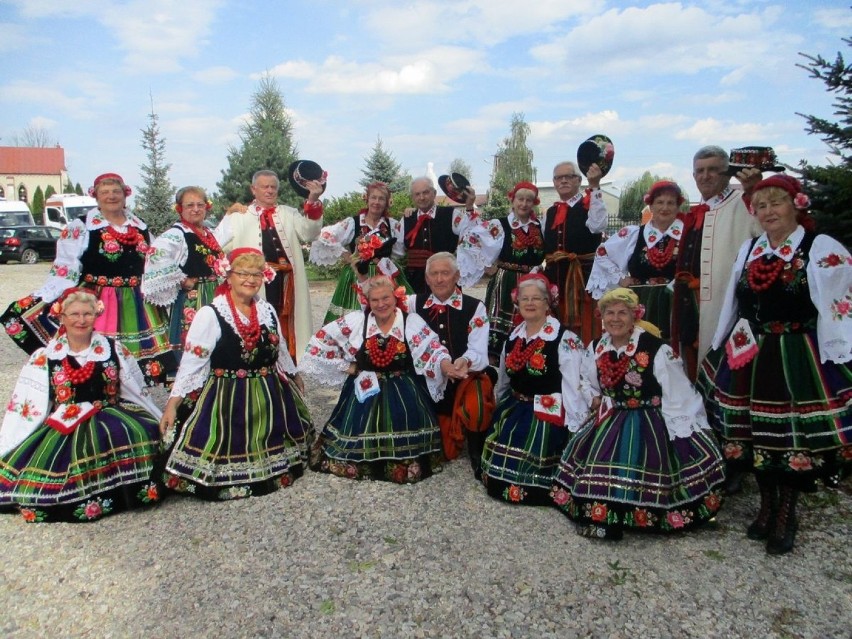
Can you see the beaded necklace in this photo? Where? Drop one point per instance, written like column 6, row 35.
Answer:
column 131, row 237
column 660, row 257
column 520, row 355
column 763, row 272
column 610, row 372
column 250, row 332
column 80, row 375
column 530, row 239
column 207, row 239
column 381, row 357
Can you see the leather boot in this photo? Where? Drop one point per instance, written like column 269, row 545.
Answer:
column 475, row 444
column 761, row 527
column 784, row 533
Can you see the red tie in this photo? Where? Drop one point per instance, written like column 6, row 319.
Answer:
column 561, row 214
column 697, row 213
column 267, row 221
column 412, row 234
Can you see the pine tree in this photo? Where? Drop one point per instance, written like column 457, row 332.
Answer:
column 68, row 187
column 830, row 187
column 78, row 189
column 49, row 191
column 155, row 198
column 381, row 166
column 512, row 164
column 37, row 206
column 266, row 142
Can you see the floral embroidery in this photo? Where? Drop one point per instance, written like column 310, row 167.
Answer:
column 833, row 259
column 800, row 462
column 560, row 496
column 196, row 349
column 841, row 309
column 733, row 450
column 33, row 515
column 234, row 492
column 93, row 509
column 514, row 493
column 599, row 512
column 149, row 494
column 178, row 484
column 675, row 519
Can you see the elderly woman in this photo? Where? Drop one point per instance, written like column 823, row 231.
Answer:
column 540, row 401
column 384, row 424
column 648, row 461
column 644, row 257
column 522, row 252
column 79, row 439
column 779, row 392
column 367, row 239
column 242, row 428
column 106, row 253
column 179, row 270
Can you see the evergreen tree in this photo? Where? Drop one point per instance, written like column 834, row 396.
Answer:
column 155, row 198
column 68, row 188
column 830, row 187
column 49, row 191
column 381, row 166
column 37, row 206
column 78, row 189
column 512, row 164
column 266, row 142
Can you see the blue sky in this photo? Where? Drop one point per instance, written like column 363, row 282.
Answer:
column 436, row 80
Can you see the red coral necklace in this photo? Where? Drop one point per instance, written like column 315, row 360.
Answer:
column 660, row 257
column 209, row 240
column 763, row 272
column 612, row 372
column 520, row 355
column 249, row 332
column 131, row 237
column 80, row 375
column 382, row 357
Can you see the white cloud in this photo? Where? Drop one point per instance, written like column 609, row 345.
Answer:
column 14, row 37
column 215, row 75
column 840, row 19
column 40, row 122
column 603, row 121
column 713, row 131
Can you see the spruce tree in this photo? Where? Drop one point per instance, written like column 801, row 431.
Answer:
column 155, row 198
column 381, row 166
column 266, row 142
column 78, row 189
column 512, row 164
column 49, row 191
column 37, row 206
column 68, row 187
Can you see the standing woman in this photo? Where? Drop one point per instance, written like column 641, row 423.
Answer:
column 241, row 426
column 106, row 254
column 523, row 251
column 643, row 258
column 540, row 401
column 780, row 391
column 368, row 239
column 179, row 270
column 79, row 439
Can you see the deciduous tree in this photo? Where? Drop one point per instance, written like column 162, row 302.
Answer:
column 513, row 163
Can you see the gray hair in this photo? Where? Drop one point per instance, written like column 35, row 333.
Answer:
column 377, row 281
column 264, row 173
column 443, row 255
column 422, row 178
column 573, row 166
column 711, row 151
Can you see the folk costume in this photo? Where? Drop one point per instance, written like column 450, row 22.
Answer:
column 243, row 429
column 572, row 233
column 464, row 413
column 109, row 260
column 181, row 252
column 279, row 232
column 648, row 461
column 644, row 253
column 80, row 435
column 540, row 403
column 384, row 424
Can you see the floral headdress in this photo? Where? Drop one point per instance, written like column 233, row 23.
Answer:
column 552, row 289
column 57, row 306
column 222, row 266
column 529, row 186
column 93, row 190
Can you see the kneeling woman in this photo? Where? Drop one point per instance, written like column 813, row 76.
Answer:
column 242, row 427
column 540, row 399
column 79, row 439
column 384, row 424
column 648, row 461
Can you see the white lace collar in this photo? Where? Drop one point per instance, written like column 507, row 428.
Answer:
column 515, row 223
column 397, row 330
column 786, row 250
column 653, row 235
column 548, row 331
column 98, row 351
column 605, row 344
column 454, row 300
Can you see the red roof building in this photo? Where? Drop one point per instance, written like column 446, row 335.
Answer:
column 23, row 168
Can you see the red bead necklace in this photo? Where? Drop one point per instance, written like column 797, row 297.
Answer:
column 382, row 357
column 612, row 372
column 763, row 272
column 209, row 240
column 519, row 356
column 660, row 257
column 530, row 239
column 250, row 332
column 131, row 237
column 80, row 375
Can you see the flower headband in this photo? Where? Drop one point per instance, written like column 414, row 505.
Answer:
column 552, row 289
column 93, row 190
column 222, row 266
column 57, row 306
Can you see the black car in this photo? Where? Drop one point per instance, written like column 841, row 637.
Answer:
column 27, row 244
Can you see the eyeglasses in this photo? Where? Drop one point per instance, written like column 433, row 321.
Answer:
column 76, row 317
column 246, row 275
column 194, row 205
column 565, row 176
column 526, row 300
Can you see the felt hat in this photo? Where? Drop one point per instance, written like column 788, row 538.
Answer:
column 599, row 150
column 302, row 171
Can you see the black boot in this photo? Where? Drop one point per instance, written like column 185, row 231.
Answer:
column 761, row 527
column 475, row 444
column 733, row 481
column 784, row 533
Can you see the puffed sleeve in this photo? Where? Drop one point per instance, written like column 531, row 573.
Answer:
column 66, row 270
column 427, row 353
column 598, row 215
column 28, row 407
column 589, row 383
column 131, row 385
column 201, row 339
column 479, row 246
column 611, row 258
column 682, row 406
column 830, row 279
column 477, row 339
column 331, row 350
column 163, row 275
column 331, row 244
column 730, row 309
column 574, row 400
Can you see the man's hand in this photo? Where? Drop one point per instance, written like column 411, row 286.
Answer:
column 236, row 207
column 462, row 366
column 749, row 177
column 594, row 175
column 315, row 189
column 469, row 197
column 409, row 211
column 449, row 369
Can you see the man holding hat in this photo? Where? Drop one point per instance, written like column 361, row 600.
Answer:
column 279, row 231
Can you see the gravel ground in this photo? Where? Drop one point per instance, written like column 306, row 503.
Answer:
column 331, row 557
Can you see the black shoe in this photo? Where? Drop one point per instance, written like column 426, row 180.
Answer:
column 734, row 482
column 760, row 529
column 781, row 545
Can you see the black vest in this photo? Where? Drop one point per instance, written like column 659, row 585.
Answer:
column 128, row 262
column 199, row 261
column 547, row 383
column 450, row 324
column 436, row 234
column 638, row 265
column 571, row 236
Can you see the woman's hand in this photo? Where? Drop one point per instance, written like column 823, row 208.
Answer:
column 596, row 403
column 450, row 371
column 353, row 369
column 167, row 421
column 628, row 281
column 189, row 283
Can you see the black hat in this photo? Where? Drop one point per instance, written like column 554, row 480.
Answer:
column 757, row 157
column 599, row 150
column 454, row 186
column 302, row 171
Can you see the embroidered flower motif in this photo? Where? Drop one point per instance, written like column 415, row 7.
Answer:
column 414, row 471
column 536, row 361
column 548, row 329
column 712, row 502
column 733, row 450
column 640, row 518
column 601, row 250
column 842, row 308
column 785, row 250
column 800, row 462
column 71, row 412
column 13, row 328
column 675, row 519
column 366, row 383
column 560, row 496
column 633, row 378
column 740, row 338
column 830, row 260
column 514, row 494
column 599, row 512
column 622, row 232
column 642, row 358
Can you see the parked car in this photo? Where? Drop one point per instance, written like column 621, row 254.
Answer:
column 27, row 244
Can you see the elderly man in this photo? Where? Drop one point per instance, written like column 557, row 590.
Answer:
column 572, row 233
column 713, row 231
column 462, row 326
column 279, row 232
column 433, row 229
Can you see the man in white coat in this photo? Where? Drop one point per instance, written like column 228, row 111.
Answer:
column 279, row 231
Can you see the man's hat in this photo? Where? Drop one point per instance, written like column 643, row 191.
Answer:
column 454, row 186
column 303, row 171
column 599, row 150
column 758, row 157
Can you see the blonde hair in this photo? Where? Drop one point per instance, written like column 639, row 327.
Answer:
column 627, row 297
column 377, row 281
column 767, row 194
column 249, row 260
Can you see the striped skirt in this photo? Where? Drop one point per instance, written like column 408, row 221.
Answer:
column 500, row 308
column 245, row 436
column 521, row 454
column 345, row 298
column 627, row 473
column 183, row 311
column 104, row 466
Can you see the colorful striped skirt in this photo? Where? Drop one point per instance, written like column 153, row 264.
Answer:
column 186, row 305
column 345, row 297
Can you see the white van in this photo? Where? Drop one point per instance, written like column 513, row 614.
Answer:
column 15, row 213
column 61, row 208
